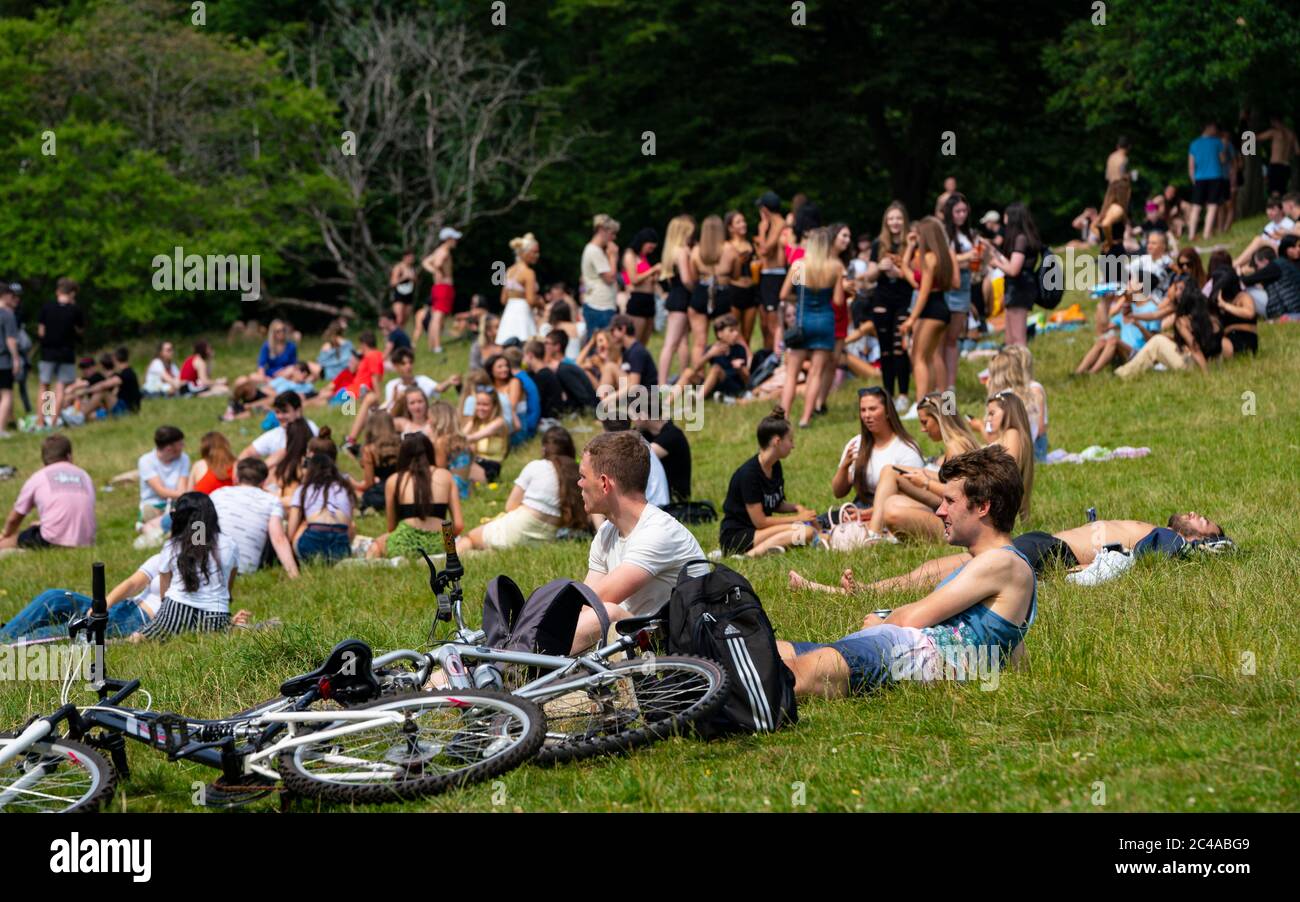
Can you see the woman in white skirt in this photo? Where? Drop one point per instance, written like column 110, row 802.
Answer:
column 519, row 294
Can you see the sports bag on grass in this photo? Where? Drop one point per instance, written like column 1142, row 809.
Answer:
column 718, row 616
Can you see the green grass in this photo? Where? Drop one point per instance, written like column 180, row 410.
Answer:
column 1137, row 684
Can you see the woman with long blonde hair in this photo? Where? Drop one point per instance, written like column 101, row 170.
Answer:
column 1012, row 369
column 675, row 269
column 906, row 497
column 1006, row 423
column 712, row 260
column 815, row 284
column 451, row 447
column 928, row 321
column 519, row 293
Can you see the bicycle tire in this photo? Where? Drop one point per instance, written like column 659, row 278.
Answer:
column 622, row 730
column 467, row 764
column 102, row 783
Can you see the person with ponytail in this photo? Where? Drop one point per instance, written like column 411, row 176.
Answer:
column 907, row 497
column 320, row 510
column 545, row 498
column 417, row 500
column 756, row 517
column 195, row 574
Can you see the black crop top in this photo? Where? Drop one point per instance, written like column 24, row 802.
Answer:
column 411, row 511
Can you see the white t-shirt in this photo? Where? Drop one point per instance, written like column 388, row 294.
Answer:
column 244, row 513
column 149, row 467
column 1039, row 386
column 150, row 598
column 1278, row 229
column 657, row 544
column 597, row 294
column 656, row 487
column 426, row 385
column 213, row 592
column 153, row 376
column 897, row 453
column 273, row 440
column 541, row 487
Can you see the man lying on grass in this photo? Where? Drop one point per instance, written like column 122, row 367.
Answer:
column 986, row 605
column 1068, row 548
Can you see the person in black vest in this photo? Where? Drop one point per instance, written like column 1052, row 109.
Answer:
column 756, row 517
column 578, row 393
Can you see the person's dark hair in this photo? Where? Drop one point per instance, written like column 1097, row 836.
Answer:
column 55, row 448
column 367, row 338
column 774, row 425
column 1195, row 308
column 726, row 321
column 414, row 462
column 949, row 226
column 1218, row 260
column 203, row 349
column 297, row 435
column 560, row 313
column 1181, row 524
column 806, row 218
column 106, row 361
column 557, row 447
column 624, row 322
column 1293, row 196
column 1190, row 259
column 401, row 355
column 557, row 338
column 1265, row 255
column 866, row 441
column 991, row 475
column 1287, row 242
column 536, row 347
column 320, row 467
column 490, row 364
column 1122, row 142
column 287, row 400
column 122, row 354
column 166, row 435
column 66, row 285
column 1018, row 221
column 1274, row 202
column 195, row 549
column 642, row 238
column 624, row 456
column 849, row 252
column 251, row 471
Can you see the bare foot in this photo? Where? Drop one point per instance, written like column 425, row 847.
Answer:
column 799, row 582
column 242, row 617
column 848, row 583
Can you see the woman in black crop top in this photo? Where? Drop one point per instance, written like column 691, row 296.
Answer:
column 417, row 498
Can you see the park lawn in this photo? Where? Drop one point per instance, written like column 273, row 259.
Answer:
column 1172, row 688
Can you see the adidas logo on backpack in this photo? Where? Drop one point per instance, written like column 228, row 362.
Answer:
column 718, row 616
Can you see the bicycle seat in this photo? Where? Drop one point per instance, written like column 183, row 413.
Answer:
column 346, row 674
column 630, row 625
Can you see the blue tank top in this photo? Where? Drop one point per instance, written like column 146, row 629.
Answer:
column 816, row 300
column 980, row 625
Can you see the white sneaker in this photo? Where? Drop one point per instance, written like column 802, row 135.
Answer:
column 911, row 414
column 900, row 403
column 1105, row 567
column 715, row 554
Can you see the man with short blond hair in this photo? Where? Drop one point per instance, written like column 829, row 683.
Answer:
column 600, row 274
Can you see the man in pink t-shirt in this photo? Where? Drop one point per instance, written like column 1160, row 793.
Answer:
column 64, row 498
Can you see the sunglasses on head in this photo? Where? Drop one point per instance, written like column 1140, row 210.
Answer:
column 486, row 389
column 873, row 390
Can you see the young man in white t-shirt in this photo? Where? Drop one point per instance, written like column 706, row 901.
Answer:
column 639, row 551
column 600, row 274
column 270, row 444
column 164, row 473
column 249, row 515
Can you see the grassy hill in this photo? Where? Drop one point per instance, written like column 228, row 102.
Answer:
column 1143, row 684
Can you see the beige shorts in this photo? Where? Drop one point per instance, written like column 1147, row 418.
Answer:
column 517, row 527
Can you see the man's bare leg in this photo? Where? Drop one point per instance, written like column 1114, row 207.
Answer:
column 822, row 671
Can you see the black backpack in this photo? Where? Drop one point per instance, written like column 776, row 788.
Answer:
column 692, row 512
column 543, row 624
column 718, row 616
column 1050, row 277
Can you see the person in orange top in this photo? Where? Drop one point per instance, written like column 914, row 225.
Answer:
column 364, row 371
column 215, row 469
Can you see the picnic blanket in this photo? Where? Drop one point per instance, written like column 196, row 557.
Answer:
column 1095, row 454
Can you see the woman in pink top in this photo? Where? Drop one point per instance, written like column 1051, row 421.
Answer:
column 64, row 498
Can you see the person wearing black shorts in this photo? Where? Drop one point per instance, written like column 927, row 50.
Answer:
column 1044, row 550
column 744, row 293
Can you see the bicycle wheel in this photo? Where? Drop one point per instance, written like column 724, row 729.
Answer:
column 633, row 704
column 446, row 739
column 55, row 776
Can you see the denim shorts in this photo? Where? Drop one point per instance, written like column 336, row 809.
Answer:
column 1040, row 448
column 871, row 653
column 958, row 301
column 326, row 541
column 596, row 319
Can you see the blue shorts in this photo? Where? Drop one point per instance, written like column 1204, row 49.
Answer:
column 869, row 653
column 1040, row 448
column 596, row 319
column 958, row 301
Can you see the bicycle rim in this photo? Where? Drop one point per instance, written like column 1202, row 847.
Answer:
column 55, row 776
column 446, row 739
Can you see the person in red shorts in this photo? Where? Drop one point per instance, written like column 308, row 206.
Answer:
column 443, row 297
